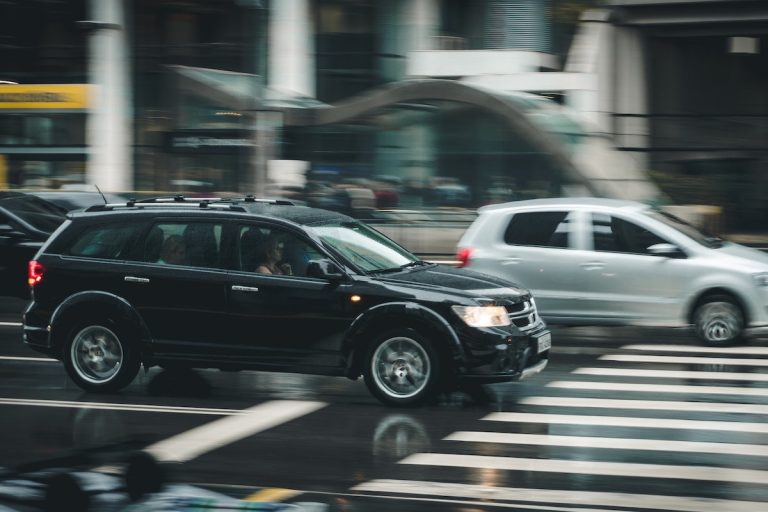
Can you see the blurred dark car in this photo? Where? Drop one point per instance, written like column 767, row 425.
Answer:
column 25, row 223
column 76, row 199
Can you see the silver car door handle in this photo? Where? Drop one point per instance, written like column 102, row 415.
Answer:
column 513, row 260
column 593, row 265
column 237, row 288
column 132, row 279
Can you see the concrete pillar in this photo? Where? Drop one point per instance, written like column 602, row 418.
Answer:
column 110, row 117
column 422, row 20
column 291, row 48
column 630, row 92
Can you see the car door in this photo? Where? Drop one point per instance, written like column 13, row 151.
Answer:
column 284, row 320
column 621, row 281
column 538, row 250
column 181, row 297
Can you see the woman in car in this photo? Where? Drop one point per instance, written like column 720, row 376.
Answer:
column 269, row 257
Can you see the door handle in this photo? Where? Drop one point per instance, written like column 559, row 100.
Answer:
column 238, row 288
column 593, row 265
column 512, row 260
column 132, row 279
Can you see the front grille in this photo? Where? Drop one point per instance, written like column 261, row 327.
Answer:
column 523, row 314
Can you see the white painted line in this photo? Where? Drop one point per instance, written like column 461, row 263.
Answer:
column 660, row 388
column 576, row 498
column 10, row 324
column 588, row 467
column 117, row 407
column 757, row 351
column 627, row 421
column 611, row 443
column 651, row 405
column 193, row 443
column 632, row 358
column 35, row 359
column 672, row 374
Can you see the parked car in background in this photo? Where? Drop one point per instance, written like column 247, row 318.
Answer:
column 266, row 285
column 595, row 261
column 75, row 199
column 25, row 223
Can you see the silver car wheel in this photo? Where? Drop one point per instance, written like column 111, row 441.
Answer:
column 96, row 354
column 400, row 367
column 718, row 322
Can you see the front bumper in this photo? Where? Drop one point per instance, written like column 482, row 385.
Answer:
column 493, row 355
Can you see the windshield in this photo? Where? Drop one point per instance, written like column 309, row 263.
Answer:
column 699, row 236
column 39, row 214
column 364, row 247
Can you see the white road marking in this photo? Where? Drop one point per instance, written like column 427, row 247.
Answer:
column 672, row 374
column 610, row 443
column 586, row 467
column 118, row 407
column 10, row 324
column 633, row 358
column 36, row 359
column 653, row 405
column 759, row 351
column 628, row 421
column 576, row 498
column 193, row 443
column 659, row 388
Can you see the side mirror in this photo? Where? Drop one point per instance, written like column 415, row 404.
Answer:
column 666, row 250
column 324, row 269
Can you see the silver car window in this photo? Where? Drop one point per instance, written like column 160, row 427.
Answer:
column 541, row 229
column 614, row 234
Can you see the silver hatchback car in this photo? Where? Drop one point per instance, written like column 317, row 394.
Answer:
column 591, row 261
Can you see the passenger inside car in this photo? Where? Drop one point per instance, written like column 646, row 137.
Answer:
column 173, row 251
column 269, row 257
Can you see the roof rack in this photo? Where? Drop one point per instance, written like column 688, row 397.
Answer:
column 230, row 203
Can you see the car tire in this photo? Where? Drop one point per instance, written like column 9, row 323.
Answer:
column 718, row 321
column 99, row 357
column 402, row 368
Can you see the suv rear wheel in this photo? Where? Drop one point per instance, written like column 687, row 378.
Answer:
column 402, row 368
column 718, row 321
column 98, row 358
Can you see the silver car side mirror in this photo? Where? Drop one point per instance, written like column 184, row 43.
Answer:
column 666, row 250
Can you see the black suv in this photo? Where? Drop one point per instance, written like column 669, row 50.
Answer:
column 251, row 284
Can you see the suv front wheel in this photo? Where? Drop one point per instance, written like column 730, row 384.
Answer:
column 402, row 368
column 98, row 358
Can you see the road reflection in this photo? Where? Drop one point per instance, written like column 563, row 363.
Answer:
column 398, row 435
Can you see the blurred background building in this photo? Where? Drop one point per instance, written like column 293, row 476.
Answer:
column 383, row 104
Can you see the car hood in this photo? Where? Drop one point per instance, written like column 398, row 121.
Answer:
column 459, row 281
column 748, row 255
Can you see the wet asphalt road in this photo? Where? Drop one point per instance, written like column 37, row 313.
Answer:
column 622, row 419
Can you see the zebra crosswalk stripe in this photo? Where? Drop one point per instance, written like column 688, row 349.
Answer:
column 591, row 467
column 659, row 445
column 659, row 388
column 486, row 494
column 651, row 405
column 672, row 374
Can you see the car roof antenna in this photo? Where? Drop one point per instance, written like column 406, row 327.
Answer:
column 102, row 195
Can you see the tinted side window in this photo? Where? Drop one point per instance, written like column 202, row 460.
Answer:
column 109, row 242
column 196, row 244
column 613, row 234
column 273, row 251
column 543, row 229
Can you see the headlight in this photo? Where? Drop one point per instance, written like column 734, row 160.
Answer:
column 761, row 279
column 482, row 316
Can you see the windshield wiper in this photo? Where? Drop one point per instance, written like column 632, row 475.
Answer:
column 417, row 263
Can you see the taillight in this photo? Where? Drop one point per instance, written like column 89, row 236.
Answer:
column 464, row 255
column 35, row 272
